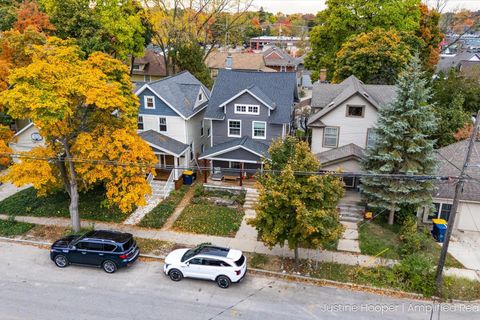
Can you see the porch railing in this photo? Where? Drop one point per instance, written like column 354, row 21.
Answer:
column 170, row 185
column 150, row 178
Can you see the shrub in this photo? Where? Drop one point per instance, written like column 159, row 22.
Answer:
column 10, row 227
column 412, row 240
column 415, row 273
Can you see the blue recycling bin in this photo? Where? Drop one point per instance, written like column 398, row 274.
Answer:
column 439, row 231
column 187, row 177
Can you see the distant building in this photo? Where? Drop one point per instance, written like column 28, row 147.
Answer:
column 148, row 68
column 242, row 61
column 285, row 42
column 279, row 60
column 467, row 63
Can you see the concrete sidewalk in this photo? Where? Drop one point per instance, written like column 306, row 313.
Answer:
column 246, row 245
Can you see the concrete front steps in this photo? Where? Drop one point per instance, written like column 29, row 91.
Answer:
column 153, row 200
column 351, row 211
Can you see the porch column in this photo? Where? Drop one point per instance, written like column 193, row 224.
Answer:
column 241, row 174
column 205, row 172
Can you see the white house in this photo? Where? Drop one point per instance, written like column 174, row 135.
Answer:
column 342, row 121
column 170, row 120
column 26, row 139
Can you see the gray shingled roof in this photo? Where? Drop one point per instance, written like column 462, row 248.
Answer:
column 346, row 151
column 262, row 96
column 279, row 87
column 181, row 91
column 162, row 141
column 285, row 60
column 249, row 143
column 328, row 96
column 451, row 159
column 446, row 63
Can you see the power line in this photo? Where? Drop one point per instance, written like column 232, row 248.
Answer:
column 236, row 170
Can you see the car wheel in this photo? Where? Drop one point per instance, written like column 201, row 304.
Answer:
column 175, row 275
column 61, row 261
column 223, row 282
column 109, row 266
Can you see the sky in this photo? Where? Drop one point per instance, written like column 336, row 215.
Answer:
column 313, row 6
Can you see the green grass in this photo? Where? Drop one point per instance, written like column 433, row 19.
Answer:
column 91, row 205
column 154, row 247
column 11, row 228
column 209, row 219
column 159, row 215
column 376, row 236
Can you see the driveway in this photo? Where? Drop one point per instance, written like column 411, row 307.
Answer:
column 31, row 287
column 466, row 249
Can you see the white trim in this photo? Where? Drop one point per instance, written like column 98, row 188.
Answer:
column 242, row 92
column 234, row 160
column 228, row 129
column 166, row 124
column 145, row 102
column 273, row 51
column 165, row 150
column 253, row 130
column 231, row 149
column 23, row 129
column 196, row 112
column 246, row 109
column 146, row 86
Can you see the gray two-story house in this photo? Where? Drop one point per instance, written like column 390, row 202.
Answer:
column 248, row 110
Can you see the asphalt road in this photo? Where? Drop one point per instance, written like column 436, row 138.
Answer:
column 32, row 287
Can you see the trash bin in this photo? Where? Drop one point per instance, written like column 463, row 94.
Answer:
column 439, row 221
column 187, row 177
column 439, row 231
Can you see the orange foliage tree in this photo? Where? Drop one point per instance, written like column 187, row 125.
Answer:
column 30, row 16
column 86, row 111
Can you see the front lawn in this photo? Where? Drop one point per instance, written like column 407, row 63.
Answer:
column 159, row 215
column 11, row 228
column 216, row 213
column 91, row 205
column 376, row 236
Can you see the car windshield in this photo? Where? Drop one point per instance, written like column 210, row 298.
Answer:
column 190, row 253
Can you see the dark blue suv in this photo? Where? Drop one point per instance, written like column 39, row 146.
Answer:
column 107, row 249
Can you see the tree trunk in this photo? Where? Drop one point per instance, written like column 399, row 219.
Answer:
column 295, row 250
column 73, row 208
column 391, row 216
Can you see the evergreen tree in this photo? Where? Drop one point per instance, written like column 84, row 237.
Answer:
column 299, row 209
column 402, row 146
column 190, row 57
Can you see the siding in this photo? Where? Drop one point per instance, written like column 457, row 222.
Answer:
column 175, row 126
column 352, row 130
column 160, row 107
column 240, row 154
column 350, row 165
column 220, row 128
column 193, row 132
column 23, row 142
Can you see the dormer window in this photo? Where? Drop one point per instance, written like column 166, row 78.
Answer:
column 200, row 96
column 149, row 102
column 355, row 111
column 247, row 109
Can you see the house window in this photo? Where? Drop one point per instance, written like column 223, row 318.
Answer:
column 147, row 78
column 149, row 102
column 136, row 67
column 201, row 128
column 162, row 124
column 202, row 148
column 191, row 151
column 355, row 111
column 234, row 128
column 371, row 136
column 330, row 137
column 259, row 130
column 140, row 123
column 247, row 109
column 235, row 165
column 442, row 211
column 200, row 96
column 208, row 131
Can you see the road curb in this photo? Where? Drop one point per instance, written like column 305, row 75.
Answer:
column 298, row 278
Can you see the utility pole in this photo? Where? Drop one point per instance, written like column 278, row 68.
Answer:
column 456, row 199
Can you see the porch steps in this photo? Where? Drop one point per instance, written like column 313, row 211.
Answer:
column 351, row 211
column 153, row 200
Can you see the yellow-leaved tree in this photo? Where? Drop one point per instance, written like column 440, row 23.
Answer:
column 86, row 111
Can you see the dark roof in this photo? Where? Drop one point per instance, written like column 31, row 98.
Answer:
column 164, row 142
column 240, row 61
column 154, row 64
column 327, row 96
column 451, row 160
column 279, row 87
column 284, row 60
column 448, row 62
column 180, row 91
column 246, row 142
column 343, row 152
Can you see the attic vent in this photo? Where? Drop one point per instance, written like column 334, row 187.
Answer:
column 366, row 94
column 330, row 104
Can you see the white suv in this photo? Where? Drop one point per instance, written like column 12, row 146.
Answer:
column 222, row 265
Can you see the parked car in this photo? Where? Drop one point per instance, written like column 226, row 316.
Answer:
column 109, row 250
column 221, row 265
